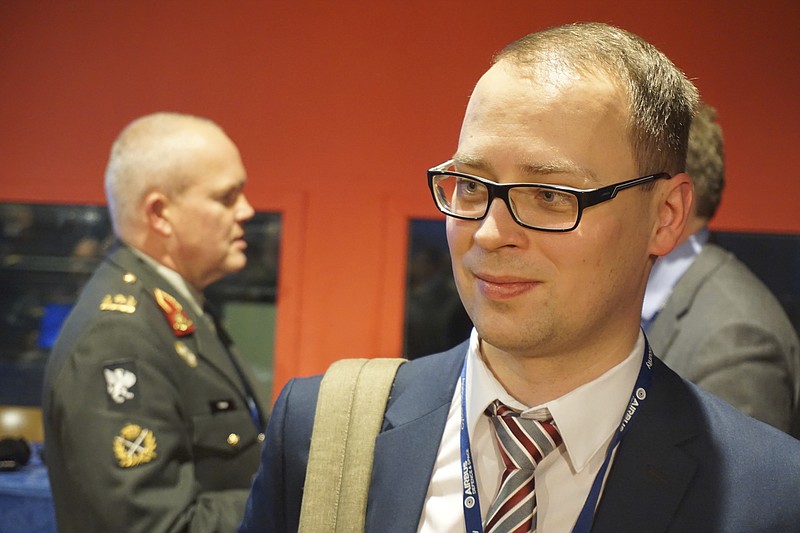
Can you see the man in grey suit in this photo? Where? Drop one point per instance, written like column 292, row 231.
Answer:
column 710, row 318
column 555, row 415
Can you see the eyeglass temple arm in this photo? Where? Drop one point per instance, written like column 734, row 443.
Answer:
column 607, row 193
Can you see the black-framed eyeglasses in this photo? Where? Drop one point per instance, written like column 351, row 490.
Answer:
column 532, row 205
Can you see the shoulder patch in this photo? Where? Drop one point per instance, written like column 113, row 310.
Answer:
column 134, row 446
column 121, row 383
column 178, row 320
column 118, row 302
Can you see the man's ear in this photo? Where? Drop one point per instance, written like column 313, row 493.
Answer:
column 156, row 206
column 674, row 207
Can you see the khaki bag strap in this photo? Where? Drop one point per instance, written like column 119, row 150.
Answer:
column 352, row 400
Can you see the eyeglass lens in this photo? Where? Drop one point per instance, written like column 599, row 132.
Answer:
column 535, row 206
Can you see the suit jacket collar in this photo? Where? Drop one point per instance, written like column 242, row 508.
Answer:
column 665, row 327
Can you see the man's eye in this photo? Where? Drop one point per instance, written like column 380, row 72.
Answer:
column 468, row 186
column 553, row 197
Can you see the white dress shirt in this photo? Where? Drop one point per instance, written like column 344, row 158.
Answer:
column 587, row 418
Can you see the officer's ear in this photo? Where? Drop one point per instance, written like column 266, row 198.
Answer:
column 156, row 206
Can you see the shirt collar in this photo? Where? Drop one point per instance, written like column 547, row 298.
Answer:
column 189, row 293
column 586, row 417
column 668, row 270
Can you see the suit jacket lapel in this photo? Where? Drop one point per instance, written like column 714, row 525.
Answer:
column 406, row 449
column 651, row 470
column 665, row 328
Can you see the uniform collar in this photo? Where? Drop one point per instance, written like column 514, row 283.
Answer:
column 194, row 297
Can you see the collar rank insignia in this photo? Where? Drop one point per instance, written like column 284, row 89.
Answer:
column 186, row 354
column 118, row 302
column 181, row 324
column 134, row 446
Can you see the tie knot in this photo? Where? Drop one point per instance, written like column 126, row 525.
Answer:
column 523, row 442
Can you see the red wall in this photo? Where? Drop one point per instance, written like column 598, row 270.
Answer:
column 340, row 106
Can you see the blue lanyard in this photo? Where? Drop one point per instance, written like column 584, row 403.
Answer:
column 472, row 508
column 472, row 505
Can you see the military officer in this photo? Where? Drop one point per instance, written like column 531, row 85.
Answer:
column 152, row 422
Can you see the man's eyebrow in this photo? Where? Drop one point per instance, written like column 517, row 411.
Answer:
column 528, row 169
column 471, row 161
column 557, row 167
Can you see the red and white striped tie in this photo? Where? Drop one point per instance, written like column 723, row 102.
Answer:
column 523, row 443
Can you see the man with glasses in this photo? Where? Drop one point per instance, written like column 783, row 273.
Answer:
column 566, row 185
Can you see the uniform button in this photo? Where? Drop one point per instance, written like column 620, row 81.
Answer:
column 129, row 278
column 261, row 437
column 233, row 439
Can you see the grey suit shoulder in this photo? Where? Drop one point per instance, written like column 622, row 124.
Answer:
column 723, row 329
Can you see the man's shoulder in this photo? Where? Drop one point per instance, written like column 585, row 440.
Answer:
column 724, row 430
column 695, row 462
column 723, row 289
column 427, row 368
column 113, row 294
column 421, row 376
column 723, row 269
column 116, row 311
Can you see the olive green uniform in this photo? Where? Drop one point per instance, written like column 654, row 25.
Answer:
column 147, row 426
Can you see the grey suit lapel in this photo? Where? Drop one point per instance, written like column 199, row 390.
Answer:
column 406, row 449
column 664, row 329
column 651, row 471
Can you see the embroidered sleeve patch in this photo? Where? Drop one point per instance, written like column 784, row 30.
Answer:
column 121, row 383
column 134, row 446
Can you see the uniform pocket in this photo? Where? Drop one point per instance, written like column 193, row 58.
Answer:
column 224, row 433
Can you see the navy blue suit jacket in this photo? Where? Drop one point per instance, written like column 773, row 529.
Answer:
column 689, row 462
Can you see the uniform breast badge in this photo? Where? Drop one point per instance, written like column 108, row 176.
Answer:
column 134, row 446
column 180, row 322
column 186, row 354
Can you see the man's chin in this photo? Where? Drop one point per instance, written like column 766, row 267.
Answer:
column 236, row 262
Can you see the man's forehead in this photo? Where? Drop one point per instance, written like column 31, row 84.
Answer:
column 561, row 122
column 543, row 80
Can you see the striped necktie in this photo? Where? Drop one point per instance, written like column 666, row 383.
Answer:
column 523, row 442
